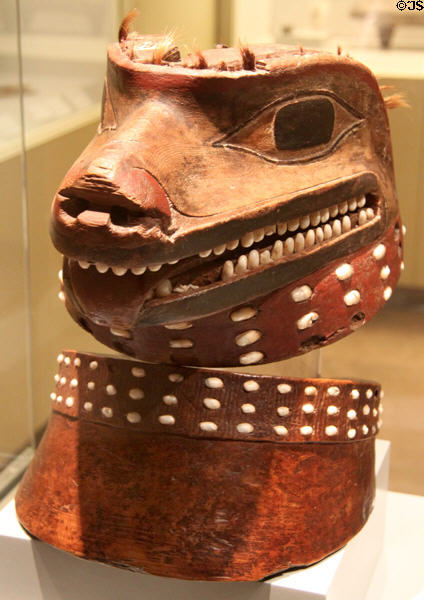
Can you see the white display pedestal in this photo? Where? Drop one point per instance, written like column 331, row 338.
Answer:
column 32, row 570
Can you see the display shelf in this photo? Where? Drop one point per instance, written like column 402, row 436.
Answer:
column 32, row 569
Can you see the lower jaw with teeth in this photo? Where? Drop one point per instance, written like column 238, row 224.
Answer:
column 293, row 236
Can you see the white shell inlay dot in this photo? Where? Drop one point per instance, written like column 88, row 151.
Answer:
column 244, row 313
column 91, row 386
column 208, row 426
column 250, row 358
column 387, row 293
column 369, row 393
column 60, row 358
column 332, row 410
column 306, row 430
column 351, row 414
column 59, row 399
column 69, row 401
column 181, row 325
column 53, row 396
column 170, row 399
column 74, row 383
column 88, row 406
column 301, row 293
column 351, row 433
column 133, row 417
column 333, row 390
column 166, row 420
column 138, row 372
column 56, row 378
column 77, row 362
column 354, row 394
column 308, row 408
column 181, row 343
column 93, row 364
column 248, row 337
column 345, row 271
column 136, row 394
column 365, row 429
column 351, row 298
column 67, row 360
column 212, row 403
column 331, row 430
column 175, row 377
column 248, row 408
column 107, row 412
column 62, row 380
column 307, row 320
column 283, row 411
column 379, row 251
column 251, row 386
column 311, row 390
column 110, row 390
column 366, row 409
column 284, row 388
column 214, row 382
column 280, row 430
column 244, row 428
column 385, row 272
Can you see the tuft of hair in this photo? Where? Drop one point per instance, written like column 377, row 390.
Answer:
column 222, row 66
column 396, row 101
column 165, row 51
column 197, row 60
column 125, row 25
column 339, row 50
column 248, row 58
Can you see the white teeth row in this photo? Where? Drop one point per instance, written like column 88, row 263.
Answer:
column 119, row 271
column 314, row 219
column 291, row 245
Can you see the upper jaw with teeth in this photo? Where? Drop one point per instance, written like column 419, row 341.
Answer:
column 264, row 246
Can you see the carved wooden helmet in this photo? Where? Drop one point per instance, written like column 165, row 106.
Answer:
column 245, row 195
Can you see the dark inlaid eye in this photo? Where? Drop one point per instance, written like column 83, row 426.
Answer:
column 304, row 124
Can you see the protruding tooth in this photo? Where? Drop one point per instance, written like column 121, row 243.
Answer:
column 325, row 215
column 150, row 294
column 299, row 242
column 343, row 207
column 362, row 217
column 60, row 275
column 227, row 270
column 173, row 262
column 315, row 218
column 346, row 224
column 334, row 211
column 154, row 267
column 265, row 257
column 270, row 229
column 305, row 222
column 362, row 201
column 277, row 250
column 259, row 234
column 337, row 227
column 205, row 253
column 119, row 271
column 164, row 288
column 247, row 240
column 281, row 228
column 138, row 270
column 328, row 232
column 370, row 213
column 101, row 267
column 309, row 238
column 289, row 245
column 83, row 264
column 319, row 234
column 241, row 266
column 220, row 249
column 293, row 224
column 233, row 244
column 352, row 205
column 253, row 259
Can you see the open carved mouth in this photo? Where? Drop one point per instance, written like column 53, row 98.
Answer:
column 253, row 252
